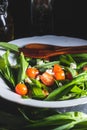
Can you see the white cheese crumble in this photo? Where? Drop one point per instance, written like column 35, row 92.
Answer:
column 40, row 62
column 50, row 71
column 27, row 80
column 38, row 77
column 73, row 65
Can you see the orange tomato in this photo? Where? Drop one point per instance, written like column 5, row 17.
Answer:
column 32, row 72
column 59, row 75
column 57, row 68
column 47, row 79
column 58, row 72
column 21, row 89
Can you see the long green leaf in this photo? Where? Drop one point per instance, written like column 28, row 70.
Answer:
column 5, row 68
column 66, row 126
column 55, row 120
column 9, row 46
column 23, row 66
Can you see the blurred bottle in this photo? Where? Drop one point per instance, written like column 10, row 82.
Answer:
column 42, row 17
column 6, row 22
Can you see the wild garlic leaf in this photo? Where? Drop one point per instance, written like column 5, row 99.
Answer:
column 23, row 64
column 5, row 68
column 9, row 46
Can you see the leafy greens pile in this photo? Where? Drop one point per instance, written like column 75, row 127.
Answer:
column 74, row 86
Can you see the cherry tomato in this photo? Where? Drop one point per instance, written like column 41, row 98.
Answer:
column 32, row 72
column 57, row 68
column 85, row 68
column 58, row 72
column 47, row 79
column 21, row 89
column 59, row 75
column 69, row 76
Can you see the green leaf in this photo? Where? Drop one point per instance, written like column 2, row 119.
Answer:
column 82, row 64
column 62, row 121
column 5, row 69
column 38, row 89
column 37, row 93
column 22, row 69
column 36, row 83
column 73, row 72
column 76, row 89
column 66, row 126
column 2, row 63
column 66, row 59
column 9, row 46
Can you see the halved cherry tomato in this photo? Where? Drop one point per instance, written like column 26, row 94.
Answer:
column 57, row 68
column 59, row 75
column 21, row 89
column 58, row 72
column 32, row 72
column 47, row 79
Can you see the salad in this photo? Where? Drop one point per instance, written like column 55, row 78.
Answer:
column 62, row 77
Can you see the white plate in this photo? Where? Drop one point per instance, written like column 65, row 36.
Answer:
column 7, row 94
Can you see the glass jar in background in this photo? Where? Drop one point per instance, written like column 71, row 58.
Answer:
column 42, row 17
column 6, row 22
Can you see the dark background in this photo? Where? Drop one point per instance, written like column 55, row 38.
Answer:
column 69, row 18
